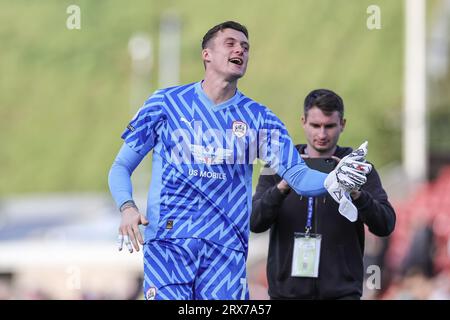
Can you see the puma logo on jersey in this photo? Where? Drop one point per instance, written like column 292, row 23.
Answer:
column 188, row 123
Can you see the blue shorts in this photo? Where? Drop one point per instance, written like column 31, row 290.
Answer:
column 193, row 269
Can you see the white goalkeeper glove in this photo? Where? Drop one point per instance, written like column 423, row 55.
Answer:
column 349, row 174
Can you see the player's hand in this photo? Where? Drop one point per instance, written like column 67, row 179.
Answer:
column 129, row 232
column 351, row 178
column 348, row 176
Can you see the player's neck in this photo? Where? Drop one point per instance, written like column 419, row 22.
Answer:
column 313, row 153
column 218, row 90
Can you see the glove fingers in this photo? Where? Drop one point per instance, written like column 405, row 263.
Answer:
column 361, row 151
column 357, row 179
column 346, row 181
column 354, row 174
column 361, row 167
column 351, row 179
column 356, row 162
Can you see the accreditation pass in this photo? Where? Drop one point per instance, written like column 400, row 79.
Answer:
column 306, row 255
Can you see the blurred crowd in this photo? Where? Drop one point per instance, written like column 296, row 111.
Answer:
column 415, row 259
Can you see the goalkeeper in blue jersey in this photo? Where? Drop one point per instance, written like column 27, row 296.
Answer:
column 205, row 137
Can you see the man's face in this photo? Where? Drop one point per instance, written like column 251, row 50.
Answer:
column 227, row 54
column 322, row 131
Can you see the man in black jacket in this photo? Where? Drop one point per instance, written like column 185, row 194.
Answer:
column 340, row 263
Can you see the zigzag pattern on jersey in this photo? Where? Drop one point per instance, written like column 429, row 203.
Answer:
column 179, row 267
column 140, row 135
column 223, row 204
column 193, row 213
column 283, row 147
column 214, row 209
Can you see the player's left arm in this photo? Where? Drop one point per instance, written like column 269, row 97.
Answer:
column 277, row 149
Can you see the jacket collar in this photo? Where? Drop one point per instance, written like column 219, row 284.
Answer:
column 340, row 151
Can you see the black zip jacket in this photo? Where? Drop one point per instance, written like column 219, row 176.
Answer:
column 342, row 249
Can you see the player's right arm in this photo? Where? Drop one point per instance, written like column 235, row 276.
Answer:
column 140, row 137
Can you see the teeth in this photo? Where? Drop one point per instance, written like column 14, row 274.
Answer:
column 236, row 61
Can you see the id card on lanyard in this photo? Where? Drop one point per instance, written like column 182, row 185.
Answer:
column 306, row 254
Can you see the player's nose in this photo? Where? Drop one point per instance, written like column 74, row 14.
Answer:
column 239, row 49
column 322, row 133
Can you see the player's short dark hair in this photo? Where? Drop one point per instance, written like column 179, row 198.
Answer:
column 224, row 25
column 326, row 100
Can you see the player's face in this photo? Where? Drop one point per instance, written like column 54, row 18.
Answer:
column 322, row 131
column 227, row 54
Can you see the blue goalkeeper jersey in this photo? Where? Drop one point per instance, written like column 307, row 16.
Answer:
column 203, row 157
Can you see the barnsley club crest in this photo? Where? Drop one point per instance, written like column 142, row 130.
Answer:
column 239, row 128
column 151, row 293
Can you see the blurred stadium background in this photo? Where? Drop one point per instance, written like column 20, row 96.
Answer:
column 66, row 96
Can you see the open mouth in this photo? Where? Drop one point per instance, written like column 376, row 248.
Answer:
column 237, row 61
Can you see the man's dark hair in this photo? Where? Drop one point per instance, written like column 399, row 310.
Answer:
column 224, row 25
column 326, row 100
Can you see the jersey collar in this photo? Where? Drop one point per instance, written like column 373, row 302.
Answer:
column 208, row 103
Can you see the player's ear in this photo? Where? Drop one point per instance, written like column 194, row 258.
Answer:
column 206, row 55
column 303, row 120
column 343, row 122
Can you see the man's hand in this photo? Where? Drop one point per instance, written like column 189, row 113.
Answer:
column 355, row 194
column 283, row 187
column 129, row 229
